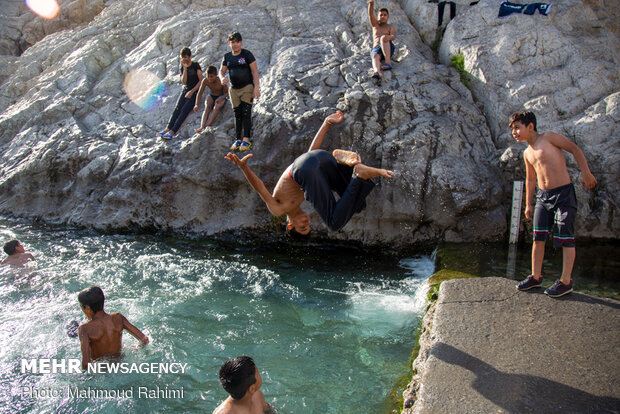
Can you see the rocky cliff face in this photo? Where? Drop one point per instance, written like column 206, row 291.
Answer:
column 76, row 149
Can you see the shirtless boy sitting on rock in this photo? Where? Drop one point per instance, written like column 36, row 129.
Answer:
column 17, row 254
column 102, row 334
column 314, row 175
column 383, row 35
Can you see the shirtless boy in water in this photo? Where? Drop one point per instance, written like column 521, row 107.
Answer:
column 313, row 176
column 102, row 334
column 383, row 34
column 216, row 98
column 17, row 254
column 241, row 379
column 556, row 204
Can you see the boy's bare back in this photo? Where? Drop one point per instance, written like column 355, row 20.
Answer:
column 102, row 336
column 18, row 259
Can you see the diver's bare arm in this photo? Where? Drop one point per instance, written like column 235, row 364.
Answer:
column 273, row 205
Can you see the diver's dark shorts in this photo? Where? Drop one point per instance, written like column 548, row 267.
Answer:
column 557, row 209
column 318, row 174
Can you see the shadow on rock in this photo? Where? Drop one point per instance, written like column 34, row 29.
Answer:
column 519, row 393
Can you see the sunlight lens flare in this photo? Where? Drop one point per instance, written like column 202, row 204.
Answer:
column 144, row 88
column 47, row 9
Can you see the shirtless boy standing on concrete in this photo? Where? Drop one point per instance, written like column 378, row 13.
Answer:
column 313, row 176
column 102, row 334
column 17, row 254
column 241, row 379
column 383, row 34
column 216, row 98
column 556, row 204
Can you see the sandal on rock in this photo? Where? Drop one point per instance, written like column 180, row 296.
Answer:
column 386, row 66
column 167, row 135
column 235, row 146
column 245, row 145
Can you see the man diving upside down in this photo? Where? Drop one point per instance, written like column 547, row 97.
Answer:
column 313, row 176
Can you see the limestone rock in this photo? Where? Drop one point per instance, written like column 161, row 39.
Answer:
column 76, row 149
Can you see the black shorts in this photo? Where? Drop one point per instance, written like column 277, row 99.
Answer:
column 557, row 209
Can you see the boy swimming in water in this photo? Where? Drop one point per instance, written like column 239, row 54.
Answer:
column 556, row 203
column 241, row 379
column 102, row 334
column 313, row 176
column 216, row 98
column 17, row 254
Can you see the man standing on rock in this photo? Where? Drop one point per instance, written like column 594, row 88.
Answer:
column 383, row 34
column 314, row 175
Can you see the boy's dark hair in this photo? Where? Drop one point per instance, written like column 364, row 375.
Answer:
column 385, row 10
column 211, row 70
column 92, row 297
column 186, row 51
column 9, row 247
column 235, row 36
column 295, row 235
column 524, row 117
column 236, row 376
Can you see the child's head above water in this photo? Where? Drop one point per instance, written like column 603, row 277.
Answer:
column 93, row 298
column 238, row 375
column 10, row 246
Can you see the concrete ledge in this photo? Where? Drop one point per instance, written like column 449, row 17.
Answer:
column 487, row 348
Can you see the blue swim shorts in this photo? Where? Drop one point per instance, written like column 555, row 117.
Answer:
column 377, row 50
column 556, row 209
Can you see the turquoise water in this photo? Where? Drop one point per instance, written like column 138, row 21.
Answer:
column 330, row 329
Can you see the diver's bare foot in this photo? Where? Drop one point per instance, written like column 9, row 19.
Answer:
column 349, row 158
column 366, row 172
column 199, row 130
column 335, row 118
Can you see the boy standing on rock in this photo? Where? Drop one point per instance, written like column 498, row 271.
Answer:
column 556, row 203
column 383, row 34
column 243, row 69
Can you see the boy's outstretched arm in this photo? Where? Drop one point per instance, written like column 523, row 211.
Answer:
column 334, row 118
column 137, row 333
column 371, row 13
column 530, row 188
column 84, row 346
column 273, row 205
column 564, row 143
